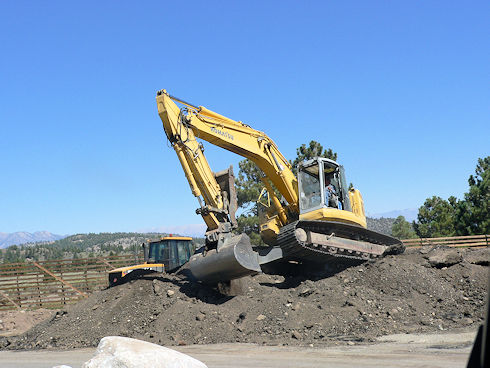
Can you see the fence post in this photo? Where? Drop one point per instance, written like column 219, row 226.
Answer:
column 85, row 272
column 19, row 300
column 38, row 290
column 63, row 296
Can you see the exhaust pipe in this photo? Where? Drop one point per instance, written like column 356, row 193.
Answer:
column 234, row 258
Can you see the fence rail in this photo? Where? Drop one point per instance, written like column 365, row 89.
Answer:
column 55, row 283
column 454, row 241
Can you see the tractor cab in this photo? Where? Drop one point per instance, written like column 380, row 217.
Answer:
column 164, row 255
column 172, row 251
column 322, row 184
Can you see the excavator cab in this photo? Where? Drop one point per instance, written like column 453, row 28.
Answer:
column 322, row 184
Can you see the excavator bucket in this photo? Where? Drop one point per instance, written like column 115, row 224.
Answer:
column 232, row 259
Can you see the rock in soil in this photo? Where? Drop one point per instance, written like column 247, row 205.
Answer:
column 443, row 258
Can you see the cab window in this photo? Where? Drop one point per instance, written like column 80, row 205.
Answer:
column 310, row 189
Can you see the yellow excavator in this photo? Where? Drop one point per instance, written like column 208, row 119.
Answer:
column 317, row 218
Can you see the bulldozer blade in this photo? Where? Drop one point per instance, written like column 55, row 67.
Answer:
column 233, row 259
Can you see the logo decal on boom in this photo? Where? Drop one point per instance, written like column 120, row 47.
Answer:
column 222, row 133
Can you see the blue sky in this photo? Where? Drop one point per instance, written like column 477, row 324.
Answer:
column 398, row 89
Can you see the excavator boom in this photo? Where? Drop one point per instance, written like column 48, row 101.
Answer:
column 231, row 135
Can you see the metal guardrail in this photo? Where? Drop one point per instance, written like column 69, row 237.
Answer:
column 55, row 283
column 454, row 241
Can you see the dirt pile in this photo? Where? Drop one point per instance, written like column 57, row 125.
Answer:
column 17, row 322
column 419, row 291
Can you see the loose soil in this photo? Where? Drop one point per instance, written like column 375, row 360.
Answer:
column 422, row 290
column 17, row 322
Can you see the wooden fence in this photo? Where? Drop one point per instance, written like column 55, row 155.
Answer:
column 454, row 241
column 53, row 284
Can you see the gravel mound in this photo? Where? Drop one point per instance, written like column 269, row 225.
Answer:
column 419, row 291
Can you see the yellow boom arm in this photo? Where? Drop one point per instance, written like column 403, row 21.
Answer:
column 182, row 125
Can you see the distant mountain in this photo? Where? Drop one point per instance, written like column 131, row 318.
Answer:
column 22, row 237
column 410, row 214
column 194, row 230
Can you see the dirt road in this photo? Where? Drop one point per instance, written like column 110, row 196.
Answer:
column 405, row 350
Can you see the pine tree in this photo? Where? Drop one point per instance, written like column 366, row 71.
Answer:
column 436, row 218
column 314, row 149
column 402, row 229
column 472, row 215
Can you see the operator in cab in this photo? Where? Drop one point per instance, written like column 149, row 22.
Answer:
column 331, row 197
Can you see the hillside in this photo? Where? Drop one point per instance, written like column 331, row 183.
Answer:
column 88, row 245
column 381, row 225
column 80, row 246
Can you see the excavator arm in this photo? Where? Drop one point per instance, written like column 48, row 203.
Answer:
column 183, row 125
column 202, row 180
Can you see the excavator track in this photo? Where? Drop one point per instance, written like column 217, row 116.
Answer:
column 330, row 242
